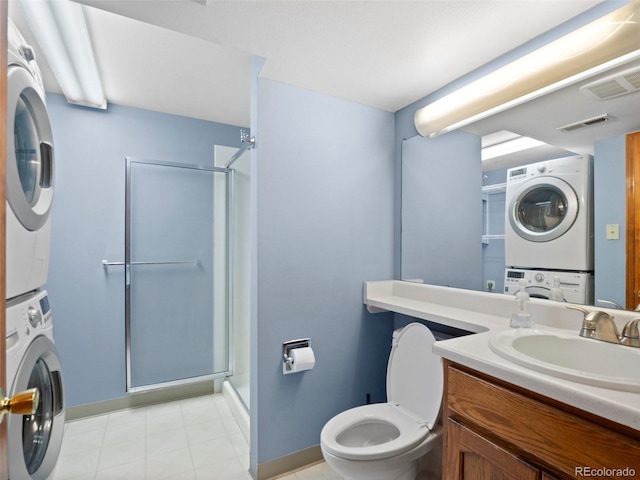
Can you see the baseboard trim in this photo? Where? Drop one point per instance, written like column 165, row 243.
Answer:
column 237, row 408
column 289, row 463
column 140, row 399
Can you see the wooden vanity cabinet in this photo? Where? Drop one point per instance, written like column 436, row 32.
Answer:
column 497, row 431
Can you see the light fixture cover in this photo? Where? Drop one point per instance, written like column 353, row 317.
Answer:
column 607, row 42
column 60, row 29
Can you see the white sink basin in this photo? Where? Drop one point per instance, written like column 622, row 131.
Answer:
column 571, row 357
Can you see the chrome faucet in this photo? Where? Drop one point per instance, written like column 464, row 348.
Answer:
column 600, row 326
column 631, row 334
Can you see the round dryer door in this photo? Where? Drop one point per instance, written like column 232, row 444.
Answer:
column 34, row 440
column 543, row 209
column 29, row 150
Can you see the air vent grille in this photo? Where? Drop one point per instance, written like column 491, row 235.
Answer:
column 634, row 79
column 585, row 123
column 614, row 85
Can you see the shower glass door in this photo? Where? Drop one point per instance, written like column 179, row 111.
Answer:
column 177, row 328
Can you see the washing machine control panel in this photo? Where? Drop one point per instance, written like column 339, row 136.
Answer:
column 27, row 315
column 34, row 316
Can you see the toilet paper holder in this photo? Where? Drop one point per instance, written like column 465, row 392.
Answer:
column 287, row 361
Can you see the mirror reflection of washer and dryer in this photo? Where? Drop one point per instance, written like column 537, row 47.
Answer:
column 549, row 228
column 34, row 441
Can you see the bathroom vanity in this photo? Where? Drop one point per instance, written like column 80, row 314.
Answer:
column 503, row 420
column 493, row 429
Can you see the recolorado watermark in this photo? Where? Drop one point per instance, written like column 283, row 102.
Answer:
column 626, row 472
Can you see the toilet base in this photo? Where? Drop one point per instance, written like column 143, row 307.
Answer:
column 401, row 467
column 403, row 472
column 407, row 473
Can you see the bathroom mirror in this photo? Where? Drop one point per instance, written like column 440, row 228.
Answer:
column 538, row 119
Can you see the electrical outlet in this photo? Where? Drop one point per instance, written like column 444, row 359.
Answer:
column 491, row 285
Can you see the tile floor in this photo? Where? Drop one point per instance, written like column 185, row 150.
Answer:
column 193, row 439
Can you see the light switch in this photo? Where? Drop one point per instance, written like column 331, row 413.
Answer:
column 613, row 231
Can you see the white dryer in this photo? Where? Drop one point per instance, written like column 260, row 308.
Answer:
column 34, row 441
column 30, row 164
column 549, row 215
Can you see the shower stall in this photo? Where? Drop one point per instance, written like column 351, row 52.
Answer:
column 186, row 273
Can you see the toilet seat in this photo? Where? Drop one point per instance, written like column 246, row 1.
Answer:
column 340, row 438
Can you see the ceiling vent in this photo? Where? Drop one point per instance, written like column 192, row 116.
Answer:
column 613, row 85
column 585, row 123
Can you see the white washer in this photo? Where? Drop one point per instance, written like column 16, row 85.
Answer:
column 549, row 215
column 34, row 441
column 30, row 165
column 577, row 287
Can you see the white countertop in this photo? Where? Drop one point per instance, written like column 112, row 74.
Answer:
column 489, row 313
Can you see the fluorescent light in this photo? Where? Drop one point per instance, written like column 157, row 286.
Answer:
column 599, row 46
column 518, row 144
column 62, row 34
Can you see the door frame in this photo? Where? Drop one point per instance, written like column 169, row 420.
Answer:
column 4, row 468
column 633, row 220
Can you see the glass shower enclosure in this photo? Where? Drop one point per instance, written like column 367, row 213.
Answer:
column 177, row 274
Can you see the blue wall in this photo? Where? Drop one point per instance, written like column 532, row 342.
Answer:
column 88, row 226
column 610, row 206
column 324, row 226
column 442, row 210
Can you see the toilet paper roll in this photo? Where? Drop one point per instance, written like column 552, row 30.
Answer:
column 303, row 359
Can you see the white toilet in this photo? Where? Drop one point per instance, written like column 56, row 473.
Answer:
column 384, row 441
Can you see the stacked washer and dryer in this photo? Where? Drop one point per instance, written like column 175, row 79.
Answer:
column 34, row 441
column 549, row 228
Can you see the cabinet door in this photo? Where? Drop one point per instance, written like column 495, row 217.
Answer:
column 469, row 456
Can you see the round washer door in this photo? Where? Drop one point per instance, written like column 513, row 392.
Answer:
column 536, row 291
column 415, row 380
column 34, row 441
column 29, row 150
column 543, row 209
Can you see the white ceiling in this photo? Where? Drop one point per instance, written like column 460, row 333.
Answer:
column 186, row 58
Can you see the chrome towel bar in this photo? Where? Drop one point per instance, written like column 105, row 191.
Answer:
column 106, row 263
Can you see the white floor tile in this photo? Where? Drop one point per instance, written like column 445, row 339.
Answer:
column 207, row 413
column 225, row 470
column 170, row 465
column 124, row 432
column 167, row 441
column 71, row 466
column 205, row 431
column 81, row 442
column 121, row 453
column 129, row 471
column 158, row 423
column 163, row 409
column 212, row 452
column 84, row 425
column 192, row 439
column 321, row 471
column 133, row 415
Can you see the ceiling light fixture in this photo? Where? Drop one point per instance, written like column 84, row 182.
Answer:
column 514, row 145
column 597, row 47
column 60, row 29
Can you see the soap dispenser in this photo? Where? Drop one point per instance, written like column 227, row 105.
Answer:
column 522, row 318
column 556, row 292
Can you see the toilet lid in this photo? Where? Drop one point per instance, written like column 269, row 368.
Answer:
column 414, row 374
